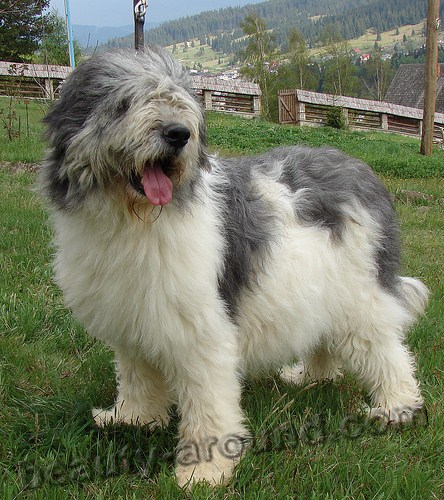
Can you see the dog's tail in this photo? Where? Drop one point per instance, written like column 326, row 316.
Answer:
column 415, row 294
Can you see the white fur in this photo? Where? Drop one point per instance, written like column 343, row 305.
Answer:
column 150, row 292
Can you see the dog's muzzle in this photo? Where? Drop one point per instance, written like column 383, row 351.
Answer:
column 176, row 135
column 156, row 180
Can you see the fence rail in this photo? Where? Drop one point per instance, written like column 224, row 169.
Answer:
column 301, row 107
column 36, row 81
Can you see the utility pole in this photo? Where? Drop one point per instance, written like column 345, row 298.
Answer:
column 431, row 66
column 69, row 33
column 140, row 7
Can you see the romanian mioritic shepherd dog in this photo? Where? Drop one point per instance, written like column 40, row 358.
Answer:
column 197, row 270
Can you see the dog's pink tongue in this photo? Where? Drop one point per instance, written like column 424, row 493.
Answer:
column 157, row 186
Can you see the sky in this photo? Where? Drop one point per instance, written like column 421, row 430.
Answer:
column 120, row 12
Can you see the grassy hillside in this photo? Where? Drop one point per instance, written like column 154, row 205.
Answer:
column 310, row 442
column 391, row 38
column 202, row 55
column 405, row 38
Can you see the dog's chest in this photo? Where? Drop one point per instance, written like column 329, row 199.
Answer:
column 134, row 283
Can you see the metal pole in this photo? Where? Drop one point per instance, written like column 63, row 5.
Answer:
column 140, row 7
column 69, row 33
column 431, row 66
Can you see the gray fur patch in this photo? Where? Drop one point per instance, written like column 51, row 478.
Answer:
column 335, row 180
column 247, row 225
column 331, row 181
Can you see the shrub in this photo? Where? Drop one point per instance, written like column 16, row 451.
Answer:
column 336, row 118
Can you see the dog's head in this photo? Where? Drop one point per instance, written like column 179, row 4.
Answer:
column 125, row 121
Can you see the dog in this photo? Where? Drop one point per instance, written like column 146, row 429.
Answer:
column 197, row 270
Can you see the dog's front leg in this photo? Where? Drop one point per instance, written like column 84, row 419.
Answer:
column 143, row 395
column 212, row 435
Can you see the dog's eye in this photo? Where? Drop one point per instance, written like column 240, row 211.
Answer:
column 123, row 106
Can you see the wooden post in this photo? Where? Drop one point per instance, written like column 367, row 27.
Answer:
column 344, row 112
column 300, row 113
column 208, row 99
column 257, row 105
column 433, row 23
column 140, row 7
column 49, row 89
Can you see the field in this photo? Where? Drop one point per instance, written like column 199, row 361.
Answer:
column 204, row 55
column 413, row 32
column 366, row 42
column 309, row 442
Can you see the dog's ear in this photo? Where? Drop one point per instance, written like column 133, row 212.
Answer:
column 64, row 183
column 204, row 160
column 61, row 181
column 65, row 187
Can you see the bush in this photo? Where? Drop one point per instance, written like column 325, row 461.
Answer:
column 336, row 118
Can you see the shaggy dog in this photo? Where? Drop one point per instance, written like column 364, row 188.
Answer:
column 196, row 270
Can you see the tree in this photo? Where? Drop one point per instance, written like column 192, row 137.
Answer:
column 377, row 75
column 54, row 47
column 258, row 56
column 339, row 71
column 23, row 26
column 300, row 59
column 300, row 72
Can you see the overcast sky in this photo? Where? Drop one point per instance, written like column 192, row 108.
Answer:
column 120, row 12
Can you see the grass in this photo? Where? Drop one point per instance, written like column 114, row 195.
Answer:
column 191, row 57
column 389, row 154
column 389, row 38
column 310, row 442
column 21, row 120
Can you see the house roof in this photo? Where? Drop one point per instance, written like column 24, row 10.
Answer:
column 407, row 87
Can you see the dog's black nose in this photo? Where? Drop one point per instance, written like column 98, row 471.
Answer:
column 176, row 135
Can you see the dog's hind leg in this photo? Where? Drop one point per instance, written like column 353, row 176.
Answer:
column 143, row 396
column 320, row 365
column 374, row 351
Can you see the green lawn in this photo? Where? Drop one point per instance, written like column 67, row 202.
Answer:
column 309, row 442
column 22, row 121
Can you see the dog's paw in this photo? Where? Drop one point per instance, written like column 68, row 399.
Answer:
column 107, row 417
column 294, row 374
column 215, row 472
column 396, row 416
column 117, row 416
column 298, row 374
column 210, row 460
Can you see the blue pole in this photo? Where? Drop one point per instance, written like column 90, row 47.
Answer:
column 69, row 31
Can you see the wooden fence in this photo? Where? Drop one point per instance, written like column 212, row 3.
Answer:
column 302, row 107
column 35, row 81
column 229, row 96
